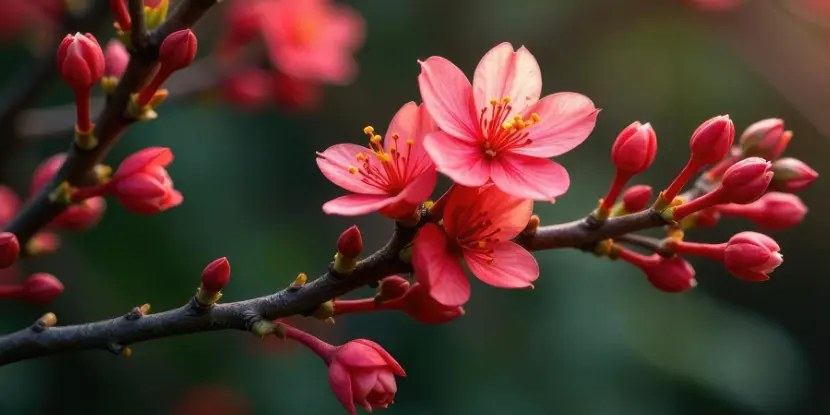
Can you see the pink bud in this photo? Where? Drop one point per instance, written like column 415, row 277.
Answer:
column 707, row 218
column 635, row 198
column 9, row 204
column 746, row 181
column 45, row 171
column 178, row 50
column 712, row 140
column 350, row 243
column 81, row 216
column 391, row 288
column 9, row 249
column 671, row 275
column 751, row 256
column 80, row 61
column 792, row 175
column 773, row 211
column 141, row 183
column 766, row 139
column 43, row 243
column 117, row 58
column 41, row 288
column 634, row 149
column 216, row 275
column 362, row 372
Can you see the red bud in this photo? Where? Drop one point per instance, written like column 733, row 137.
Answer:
column 216, row 275
column 9, row 249
column 635, row 198
column 751, row 256
column 712, row 140
column 80, row 61
column 178, row 50
column 792, row 175
column 41, row 288
column 350, row 243
column 773, row 211
column 45, row 171
column 391, row 288
column 747, row 180
column 766, row 139
column 9, row 204
column 634, row 149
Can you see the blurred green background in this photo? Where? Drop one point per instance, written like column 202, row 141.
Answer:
column 593, row 337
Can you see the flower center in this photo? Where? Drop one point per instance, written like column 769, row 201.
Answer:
column 392, row 170
column 478, row 235
column 306, row 29
column 501, row 132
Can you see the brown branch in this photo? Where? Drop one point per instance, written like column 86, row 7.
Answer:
column 138, row 31
column 652, row 244
column 118, row 332
column 40, row 210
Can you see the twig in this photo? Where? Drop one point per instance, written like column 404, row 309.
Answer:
column 138, row 31
column 652, row 244
column 44, row 123
column 40, row 210
column 27, row 344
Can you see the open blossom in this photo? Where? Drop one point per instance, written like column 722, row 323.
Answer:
column 498, row 129
column 478, row 226
column 392, row 175
column 305, row 39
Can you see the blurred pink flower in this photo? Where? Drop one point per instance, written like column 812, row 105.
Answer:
column 19, row 15
column 211, row 400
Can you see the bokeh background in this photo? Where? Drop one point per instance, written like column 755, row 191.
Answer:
column 593, row 337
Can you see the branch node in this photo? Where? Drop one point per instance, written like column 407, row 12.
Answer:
column 263, row 328
column 43, row 323
column 298, row 282
column 138, row 312
column 119, row 349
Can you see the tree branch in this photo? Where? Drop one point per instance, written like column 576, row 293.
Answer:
column 122, row 331
column 652, row 244
column 40, row 210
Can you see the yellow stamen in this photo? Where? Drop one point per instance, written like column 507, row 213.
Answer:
column 361, row 157
column 395, row 136
column 493, row 101
column 352, row 169
column 392, row 149
column 410, row 142
column 482, row 244
column 376, row 139
column 506, row 100
column 369, row 130
column 535, row 117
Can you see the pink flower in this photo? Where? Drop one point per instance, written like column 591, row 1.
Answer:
column 392, row 177
column 751, row 256
column 141, row 183
column 419, row 304
column 306, row 39
column 498, row 129
column 478, row 226
column 362, row 372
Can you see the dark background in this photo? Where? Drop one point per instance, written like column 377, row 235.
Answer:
column 593, row 337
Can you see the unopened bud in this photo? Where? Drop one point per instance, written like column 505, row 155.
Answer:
column 634, row 149
column 792, row 175
column 9, row 249
column 43, row 243
column 350, row 243
column 766, row 139
column 80, row 61
column 712, row 140
column 41, row 288
column 636, row 198
column 216, row 275
column 178, row 50
column 391, row 288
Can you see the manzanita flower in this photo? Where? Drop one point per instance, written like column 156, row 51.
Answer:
column 750, row 256
column 792, row 175
column 361, row 372
column 742, row 183
column 766, row 139
column 141, row 183
column 632, row 153
column 773, row 211
column 671, row 275
column 498, row 129
column 478, row 226
column 710, row 142
column 393, row 175
column 76, row 217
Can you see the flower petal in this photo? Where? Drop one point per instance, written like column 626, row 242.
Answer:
column 448, row 95
column 358, row 204
column 359, row 354
column 411, row 122
column 341, row 384
column 509, row 214
column 512, row 266
column 529, row 177
column 393, row 364
column 363, row 381
column 567, row 119
column 505, row 73
column 335, row 163
column 462, row 161
column 158, row 156
column 458, row 208
column 438, row 269
column 415, row 193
